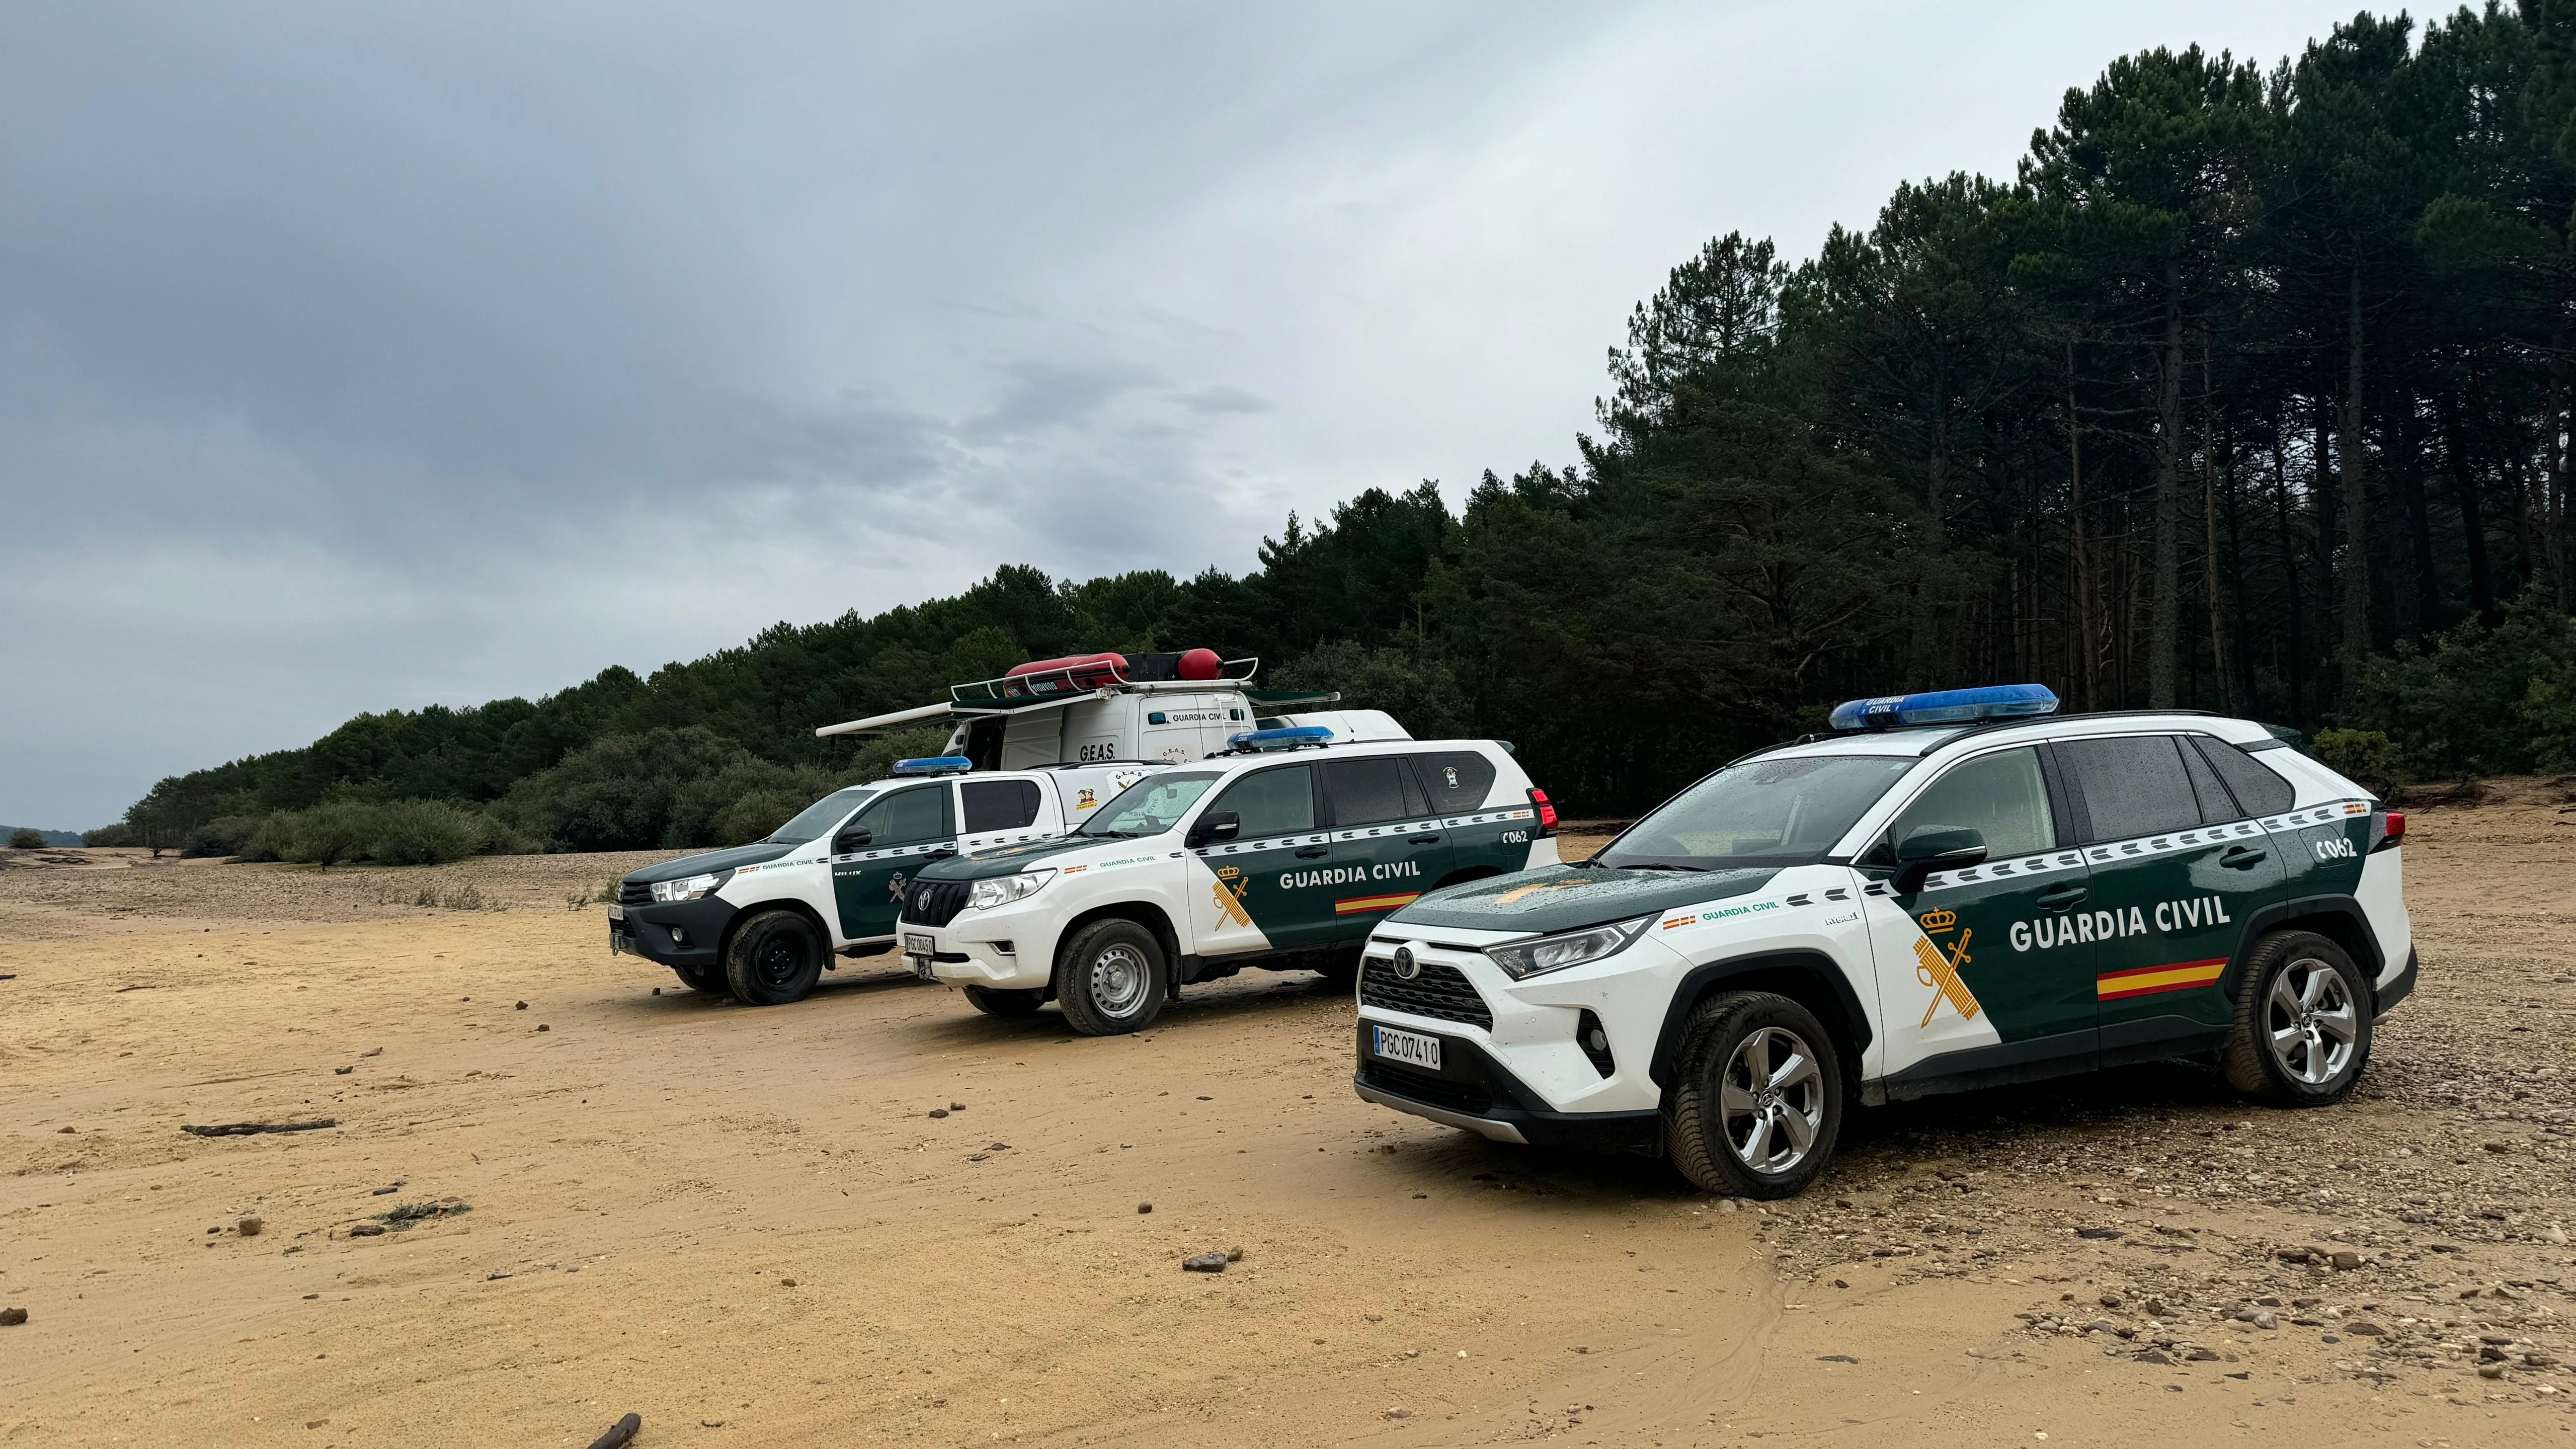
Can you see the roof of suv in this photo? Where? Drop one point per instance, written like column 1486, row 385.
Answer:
column 1921, row 740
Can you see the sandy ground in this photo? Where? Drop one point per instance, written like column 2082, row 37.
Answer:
column 747, row 1226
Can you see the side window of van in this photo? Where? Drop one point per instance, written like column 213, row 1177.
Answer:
column 1456, row 779
column 998, row 804
column 907, row 817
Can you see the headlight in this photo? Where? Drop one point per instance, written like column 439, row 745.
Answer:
column 1001, row 890
column 1554, row 953
column 690, row 888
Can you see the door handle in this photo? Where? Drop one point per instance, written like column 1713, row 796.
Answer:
column 1432, row 839
column 1313, row 852
column 2242, row 857
column 2062, row 897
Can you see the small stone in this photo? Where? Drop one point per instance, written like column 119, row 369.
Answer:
column 2537, row 1359
column 12, row 1317
column 2109, row 1300
column 2159, row 1308
column 2489, row 1353
column 1839, row 1283
column 249, row 1227
column 343, row 1071
column 1234, row 1254
column 2364, row 1327
column 786, row 1282
column 938, row 1111
column 1204, row 1263
column 368, row 1230
column 657, row 991
column 999, row 1147
column 2499, row 1147
column 956, row 1106
column 2202, row 1355
column 2490, row 1370
column 2345, row 1260
column 2263, row 1318
column 522, row 1006
column 1144, row 1207
column 67, row 1129
column 2100, row 1325
column 1397, row 1414
column 1835, row 1358
column 2100, row 1234
column 2554, row 1234
column 541, row 1026
column 2151, row 1355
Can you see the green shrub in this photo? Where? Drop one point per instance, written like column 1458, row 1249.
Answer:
column 426, row 832
column 2366, row 757
column 2480, row 701
column 108, row 837
column 397, row 832
column 2549, row 710
column 223, row 835
column 26, row 840
column 1405, row 681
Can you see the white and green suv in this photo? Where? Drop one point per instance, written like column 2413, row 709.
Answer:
column 1279, row 854
column 1957, row 891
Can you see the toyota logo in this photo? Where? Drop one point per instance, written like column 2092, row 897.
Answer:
column 1406, row 968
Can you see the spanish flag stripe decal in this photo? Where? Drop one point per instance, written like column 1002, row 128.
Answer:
column 1360, row 905
column 2147, row 980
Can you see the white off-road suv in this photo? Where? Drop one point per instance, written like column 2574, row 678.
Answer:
column 1278, row 854
column 764, row 921
column 1957, row 891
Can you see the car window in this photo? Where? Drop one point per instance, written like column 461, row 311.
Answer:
column 2002, row 796
column 2133, row 785
column 998, row 804
column 1457, row 779
column 2257, row 786
column 1760, row 812
column 820, row 816
column 1372, row 789
column 907, row 817
column 1150, row 807
column 2217, row 807
column 1271, row 802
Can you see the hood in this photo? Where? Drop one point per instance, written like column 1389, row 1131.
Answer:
column 1012, row 859
column 1565, row 898
column 757, row 853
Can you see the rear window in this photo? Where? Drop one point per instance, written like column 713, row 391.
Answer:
column 999, row 804
column 2256, row 785
column 1457, row 779
column 2133, row 785
column 1368, row 791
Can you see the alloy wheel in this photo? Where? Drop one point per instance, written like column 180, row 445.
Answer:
column 2310, row 1021
column 1772, row 1100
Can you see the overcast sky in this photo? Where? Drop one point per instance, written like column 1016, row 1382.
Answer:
column 364, row 356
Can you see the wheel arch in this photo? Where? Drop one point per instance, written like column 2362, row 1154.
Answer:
column 1810, row 978
column 1142, row 913
column 2338, row 918
column 814, row 918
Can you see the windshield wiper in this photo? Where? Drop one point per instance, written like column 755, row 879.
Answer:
column 1664, row 865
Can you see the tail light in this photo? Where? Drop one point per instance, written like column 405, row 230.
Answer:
column 1546, row 812
column 2392, row 829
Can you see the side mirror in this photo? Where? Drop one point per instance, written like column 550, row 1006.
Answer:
column 854, row 838
column 1935, row 847
column 1216, row 826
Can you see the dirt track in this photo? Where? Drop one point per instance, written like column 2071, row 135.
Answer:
column 647, row 1174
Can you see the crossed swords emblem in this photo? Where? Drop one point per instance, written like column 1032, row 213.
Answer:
column 1941, row 972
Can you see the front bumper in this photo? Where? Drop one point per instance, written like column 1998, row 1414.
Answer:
column 1473, row 1091
column 968, row 952
column 679, row 933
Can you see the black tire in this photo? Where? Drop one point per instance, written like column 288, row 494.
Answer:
column 1736, row 1139
column 775, row 958
column 1342, row 974
column 1112, row 978
column 709, row 978
column 994, row 1001
column 2303, row 1025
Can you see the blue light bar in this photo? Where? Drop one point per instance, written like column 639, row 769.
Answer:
column 1946, row 706
column 1280, row 739
column 934, row 765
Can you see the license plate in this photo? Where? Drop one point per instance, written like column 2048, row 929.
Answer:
column 914, row 943
column 920, row 967
column 1411, row 1048
column 616, row 912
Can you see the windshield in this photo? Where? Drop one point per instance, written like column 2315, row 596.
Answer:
column 818, row 817
column 1762, row 812
column 1148, row 807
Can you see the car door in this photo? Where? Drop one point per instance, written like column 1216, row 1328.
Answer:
column 1273, row 887
column 1987, row 972
column 995, row 812
column 906, row 828
column 2178, row 869
column 1387, row 846
column 1456, row 783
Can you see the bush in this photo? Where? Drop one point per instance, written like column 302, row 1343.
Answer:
column 2481, row 701
column 398, row 832
column 2366, row 757
column 1405, row 681
column 26, row 840
column 223, row 835
column 427, row 832
column 108, row 837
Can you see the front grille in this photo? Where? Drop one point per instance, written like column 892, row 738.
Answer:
column 1440, row 991
column 934, row 902
column 1465, row 1097
column 634, row 893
